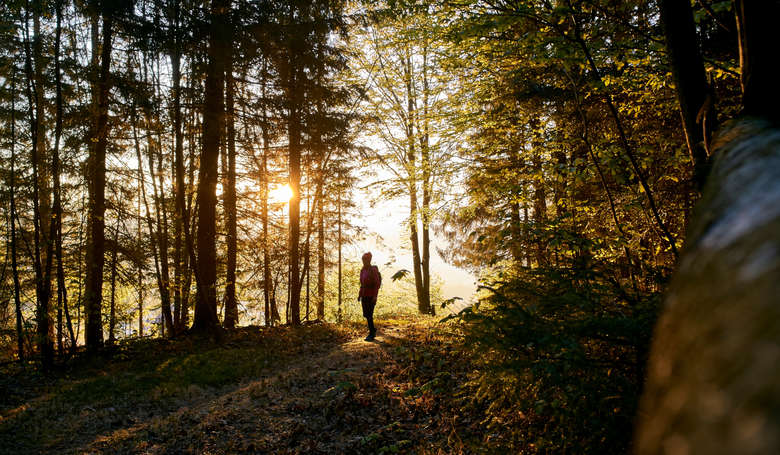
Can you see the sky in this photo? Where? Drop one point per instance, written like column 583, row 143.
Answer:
column 386, row 236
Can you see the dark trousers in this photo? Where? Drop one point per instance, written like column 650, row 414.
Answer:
column 368, row 304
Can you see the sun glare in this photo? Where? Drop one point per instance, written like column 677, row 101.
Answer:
column 281, row 193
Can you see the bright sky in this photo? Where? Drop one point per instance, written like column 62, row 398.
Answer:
column 387, row 239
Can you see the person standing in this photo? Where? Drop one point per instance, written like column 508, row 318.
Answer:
column 370, row 281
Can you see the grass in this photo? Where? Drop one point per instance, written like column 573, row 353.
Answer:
column 139, row 380
column 312, row 389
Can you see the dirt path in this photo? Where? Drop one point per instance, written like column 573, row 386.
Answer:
column 349, row 399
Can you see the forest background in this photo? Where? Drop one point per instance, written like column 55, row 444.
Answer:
column 171, row 167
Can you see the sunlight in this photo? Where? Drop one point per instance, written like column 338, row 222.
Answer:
column 281, row 193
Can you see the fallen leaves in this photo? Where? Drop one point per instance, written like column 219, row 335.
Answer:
column 288, row 391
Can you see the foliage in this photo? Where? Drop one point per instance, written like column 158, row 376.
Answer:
column 561, row 353
column 396, row 297
column 140, row 380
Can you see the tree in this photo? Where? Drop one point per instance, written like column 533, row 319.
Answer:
column 703, row 299
column 406, row 94
column 205, row 318
column 231, row 305
column 96, row 176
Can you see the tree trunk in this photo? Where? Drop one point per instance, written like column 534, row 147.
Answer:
column 321, row 264
column 693, row 92
column 714, row 371
column 96, row 176
column 539, row 200
column 338, row 204
column 62, row 289
column 231, row 305
column 205, row 318
column 163, row 272
column 269, row 320
column 757, row 29
column 422, row 303
column 62, row 292
column 713, row 378
column 270, row 311
column 179, row 187
column 140, row 278
column 44, row 179
column 41, row 253
column 12, row 203
column 294, row 132
column 112, row 302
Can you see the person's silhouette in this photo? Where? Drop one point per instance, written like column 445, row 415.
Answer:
column 370, row 281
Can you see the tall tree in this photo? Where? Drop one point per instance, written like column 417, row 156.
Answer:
column 62, row 290
column 229, row 192
column 13, row 216
column 205, row 318
column 693, row 92
column 41, row 184
column 180, row 255
column 96, row 177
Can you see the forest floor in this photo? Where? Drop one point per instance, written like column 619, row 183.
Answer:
column 314, row 389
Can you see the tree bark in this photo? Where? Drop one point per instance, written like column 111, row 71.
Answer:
column 96, row 176
column 294, row 133
column 231, row 305
column 62, row 289
column 338, row 205
column 205, row 318
column 112, row 302
column 321, row 264
column 427, row 187
column 12, row 203
column 41, row 254
column 140, row 277
column 423, row 305
column 713, row 382
column 179, row 187
column 693, row 92
column 163, row 272
column 757, row 30
column 539, row 199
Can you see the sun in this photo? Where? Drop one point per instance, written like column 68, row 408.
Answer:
column 282, row 193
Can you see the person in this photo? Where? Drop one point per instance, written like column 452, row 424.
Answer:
column 370, row 281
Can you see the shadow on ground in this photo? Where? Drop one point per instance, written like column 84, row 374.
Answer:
column 318, row 389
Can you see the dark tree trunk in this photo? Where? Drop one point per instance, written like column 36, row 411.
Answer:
column 12, row 203
column 714, row 371
column 112, row 302
column 270, row 312
column 321, row 264
column 713, row 378
column 338, row 208
column 179, row 188
column 62, row 289
column 41, row 254
column 294, row 131
column 96, row 176
column 57, row 206
column 756, row 24
column 231, row 305
column 140, row 277
column 163, row 272
column 427, row 188
column 205, row 318
column 693, row 92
